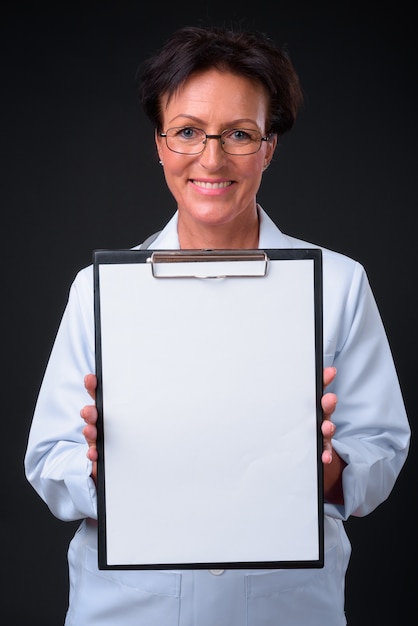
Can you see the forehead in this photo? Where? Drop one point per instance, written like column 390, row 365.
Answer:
column 213, row 95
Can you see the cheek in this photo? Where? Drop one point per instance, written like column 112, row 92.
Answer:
column 175, row 175
column 253, row 170
column 174, row 164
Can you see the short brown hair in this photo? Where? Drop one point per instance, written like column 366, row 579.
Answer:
column 252, row 55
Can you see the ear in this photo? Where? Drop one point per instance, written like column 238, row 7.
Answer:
column 271, row 147
column 159, row 144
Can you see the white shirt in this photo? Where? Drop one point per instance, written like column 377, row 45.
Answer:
column 372, row 437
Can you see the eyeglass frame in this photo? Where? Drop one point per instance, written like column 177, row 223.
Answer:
column 204, row 141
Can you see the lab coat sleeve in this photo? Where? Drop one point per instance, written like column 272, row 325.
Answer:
column 373, row 432
column 55, row 462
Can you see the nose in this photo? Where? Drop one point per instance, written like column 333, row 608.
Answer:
column 213, row 153
column 212, row 137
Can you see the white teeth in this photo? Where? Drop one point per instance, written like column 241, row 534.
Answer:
column 206, row 185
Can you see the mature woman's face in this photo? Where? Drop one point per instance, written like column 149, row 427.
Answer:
column 215, row 189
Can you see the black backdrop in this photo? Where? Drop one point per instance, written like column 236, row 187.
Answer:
column 79, row 172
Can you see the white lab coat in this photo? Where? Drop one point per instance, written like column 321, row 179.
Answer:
column 372, row 437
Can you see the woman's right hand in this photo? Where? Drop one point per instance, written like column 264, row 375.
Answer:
column 89, row 415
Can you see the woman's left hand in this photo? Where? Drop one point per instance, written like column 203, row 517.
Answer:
column 328, row 402
column 333, row 463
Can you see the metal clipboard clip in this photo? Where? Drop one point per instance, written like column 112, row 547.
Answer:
column 208, row 263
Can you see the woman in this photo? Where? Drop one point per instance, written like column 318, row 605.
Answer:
column 219, row 100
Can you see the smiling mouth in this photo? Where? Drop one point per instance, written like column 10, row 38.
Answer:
column 206, row 185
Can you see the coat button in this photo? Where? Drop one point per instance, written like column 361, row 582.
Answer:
column 216, row 572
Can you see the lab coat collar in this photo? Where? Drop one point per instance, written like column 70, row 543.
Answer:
column 270, row 235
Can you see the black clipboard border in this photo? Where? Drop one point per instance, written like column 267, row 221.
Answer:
column 125, row 256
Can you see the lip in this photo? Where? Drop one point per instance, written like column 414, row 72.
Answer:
column 211, row 185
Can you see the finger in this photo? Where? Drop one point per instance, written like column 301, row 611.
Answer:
column 90, row 435
column 89, row 414
column 328, row 403
column 329, row 375
column 328, row 431
column 326, row 456
column 90, row 383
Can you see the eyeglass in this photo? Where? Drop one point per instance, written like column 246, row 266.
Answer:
column 192, row 141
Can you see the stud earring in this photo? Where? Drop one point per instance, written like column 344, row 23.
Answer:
column 160, row 162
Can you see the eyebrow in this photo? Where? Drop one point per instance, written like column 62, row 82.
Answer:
column 192, row 118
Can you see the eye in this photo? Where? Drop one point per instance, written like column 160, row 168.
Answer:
column 188, row 132
column 240, row 135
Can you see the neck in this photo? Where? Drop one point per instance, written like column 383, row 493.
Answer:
column 234, row 235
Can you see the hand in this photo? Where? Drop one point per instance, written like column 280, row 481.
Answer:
column 333, row 463
column 89, row 415
column 328, row 402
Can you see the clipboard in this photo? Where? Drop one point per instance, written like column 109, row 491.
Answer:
column 209, row 368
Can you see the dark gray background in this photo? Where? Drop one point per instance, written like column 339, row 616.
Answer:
column 79, row 172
